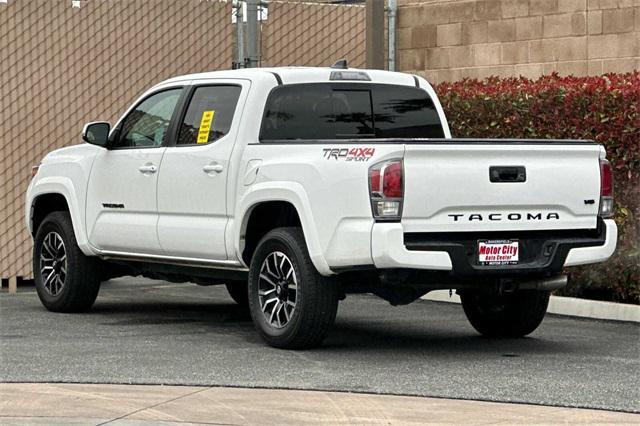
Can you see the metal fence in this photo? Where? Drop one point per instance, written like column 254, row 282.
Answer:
column 313, row 34
column 62, row 65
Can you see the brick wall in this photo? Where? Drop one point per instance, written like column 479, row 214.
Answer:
column 446, row 40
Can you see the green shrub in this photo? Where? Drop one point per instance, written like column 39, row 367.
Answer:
column 605, row 109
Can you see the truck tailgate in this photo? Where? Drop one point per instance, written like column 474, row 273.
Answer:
column 537, row 186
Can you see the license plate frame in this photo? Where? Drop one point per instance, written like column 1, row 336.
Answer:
column 498, row 252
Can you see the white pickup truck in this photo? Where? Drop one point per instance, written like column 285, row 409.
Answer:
column 297, row 186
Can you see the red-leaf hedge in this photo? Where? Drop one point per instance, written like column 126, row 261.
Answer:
column 605, row 109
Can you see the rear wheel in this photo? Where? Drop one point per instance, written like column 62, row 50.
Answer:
column 513, row 314
column 238, row 290
column 291, row 304
column 66, row 280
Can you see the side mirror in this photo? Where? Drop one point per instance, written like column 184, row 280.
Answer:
column 96, row 133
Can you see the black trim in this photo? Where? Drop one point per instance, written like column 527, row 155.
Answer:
column 178, row 273
column 277, row 76
column 540, row 251
column 181, row 108
column 415, row 79
column 434, row 141
column 32, row 210
column 354, row 268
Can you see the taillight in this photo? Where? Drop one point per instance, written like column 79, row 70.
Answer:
column 392, row 180
column 386, row 189
column 606, row 189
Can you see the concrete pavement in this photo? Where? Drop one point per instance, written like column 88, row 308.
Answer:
column 164, row 405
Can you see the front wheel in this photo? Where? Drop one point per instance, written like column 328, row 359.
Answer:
column 66, row 280
column 291, row 304
column 505, row 315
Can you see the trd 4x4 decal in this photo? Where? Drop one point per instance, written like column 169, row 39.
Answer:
column 348, row 154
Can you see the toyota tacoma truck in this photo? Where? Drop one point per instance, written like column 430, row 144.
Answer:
column 296, row 186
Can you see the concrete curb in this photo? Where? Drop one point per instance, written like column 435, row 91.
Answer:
column 569, row 306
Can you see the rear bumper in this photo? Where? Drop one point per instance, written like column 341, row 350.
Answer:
column 594, row 254
column 543, row 251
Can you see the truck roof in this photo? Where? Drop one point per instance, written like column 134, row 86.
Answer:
column 293, row 75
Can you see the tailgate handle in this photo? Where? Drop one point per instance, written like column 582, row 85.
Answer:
column 507, row 174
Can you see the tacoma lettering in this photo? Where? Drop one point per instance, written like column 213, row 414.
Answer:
column 498, row 216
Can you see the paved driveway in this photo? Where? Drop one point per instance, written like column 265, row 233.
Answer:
column 150, row 332
column 154, row 405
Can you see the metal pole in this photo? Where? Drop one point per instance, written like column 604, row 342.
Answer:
column 393, row 9
column 253, row 57
column 375, row 34
column 239, row 35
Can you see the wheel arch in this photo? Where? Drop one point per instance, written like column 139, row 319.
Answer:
column 283, row 205
column 264, row 217
column 49, row 195
column 44, row 204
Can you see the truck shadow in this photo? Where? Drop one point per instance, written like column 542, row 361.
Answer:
column 404, row 333
column 430, row 339
column 212, row 314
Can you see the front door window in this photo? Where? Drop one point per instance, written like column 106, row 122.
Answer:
column 146, row 126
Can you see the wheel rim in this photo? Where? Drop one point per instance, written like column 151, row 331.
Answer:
column 53, row 263
column 277, row 289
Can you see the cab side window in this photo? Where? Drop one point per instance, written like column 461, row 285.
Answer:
column 209, row 115
column 146, row 126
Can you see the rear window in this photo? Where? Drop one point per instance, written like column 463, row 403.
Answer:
column 349, row 111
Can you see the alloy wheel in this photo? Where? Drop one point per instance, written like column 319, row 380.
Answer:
column 277, row 289
column 53, row 263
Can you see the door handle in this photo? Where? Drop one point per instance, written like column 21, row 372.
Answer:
column 148, row 168
column 507, row 174
column 213, row 168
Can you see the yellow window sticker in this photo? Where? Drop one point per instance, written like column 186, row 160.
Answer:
column 205, row 126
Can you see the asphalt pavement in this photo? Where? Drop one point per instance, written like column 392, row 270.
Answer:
column 151, row 332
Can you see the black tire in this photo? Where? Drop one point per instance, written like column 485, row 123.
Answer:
column 513, row 314
column 239, row 292
column 79, row 275
column 315, row 297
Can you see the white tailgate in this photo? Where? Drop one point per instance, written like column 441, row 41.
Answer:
column 447, row 187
